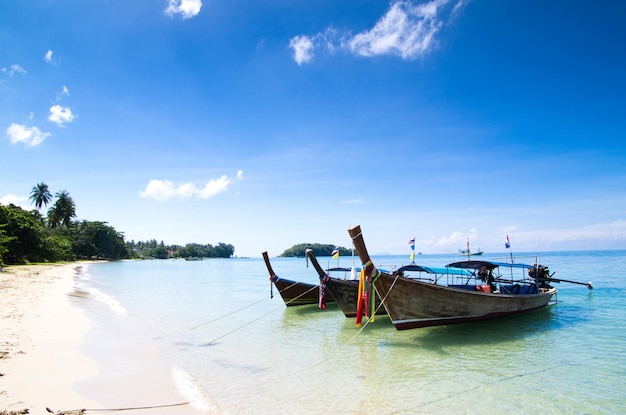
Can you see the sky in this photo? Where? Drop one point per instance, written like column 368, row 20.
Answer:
column 265, row 124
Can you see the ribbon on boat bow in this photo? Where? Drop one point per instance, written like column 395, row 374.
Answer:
column 322, row 301
column 366, row 304
column 273, row 278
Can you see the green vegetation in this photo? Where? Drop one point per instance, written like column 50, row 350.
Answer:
column 299, row 250
column 152, row 249
column 27, row 236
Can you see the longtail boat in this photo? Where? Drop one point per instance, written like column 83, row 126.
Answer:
column 344, row 290
column 293, row 293
column 479, row 294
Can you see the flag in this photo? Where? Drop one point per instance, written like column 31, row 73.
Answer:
column 507, row 244
column 335, row 253
column 412, row 243
column 412, row 255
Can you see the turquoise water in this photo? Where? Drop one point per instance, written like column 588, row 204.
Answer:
column 234, row 350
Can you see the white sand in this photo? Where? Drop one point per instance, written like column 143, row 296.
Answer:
column 40, row 332
column 42, row 329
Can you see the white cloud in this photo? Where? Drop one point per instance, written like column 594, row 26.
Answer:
column 186, row 8
column 21, row 201
column 48, row 56
column 63, row 93
column 31, row 136
column 165, row 189
column 60, row 115
column 407, row 30
column 302, row 49
column 14, row 69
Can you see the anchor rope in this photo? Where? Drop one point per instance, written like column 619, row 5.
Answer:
column 229, row 314
column 473, row 389
column 83, row 411
column 259, row 317
column 359, row 331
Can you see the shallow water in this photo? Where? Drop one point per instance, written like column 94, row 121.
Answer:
column 234, row 350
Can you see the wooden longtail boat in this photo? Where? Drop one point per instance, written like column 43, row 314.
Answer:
column 412, row 303
column 293, row 293
column 344, row 291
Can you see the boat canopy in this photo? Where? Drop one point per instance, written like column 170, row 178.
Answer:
column 434, row 270
column 487, row 265
column 343, row 269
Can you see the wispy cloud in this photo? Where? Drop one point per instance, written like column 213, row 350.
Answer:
column 165, row 189
column 184, row 8
column 31, row 136
column 14, row 69
column 406, row 30
column 48, row 56
column 60, row 115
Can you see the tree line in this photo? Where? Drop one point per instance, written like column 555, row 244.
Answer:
column 152, row 249
column 299, row 250
column 28, row 236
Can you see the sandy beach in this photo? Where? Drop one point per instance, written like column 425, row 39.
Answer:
column 42, row 332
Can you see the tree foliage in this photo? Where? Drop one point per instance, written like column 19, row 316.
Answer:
column 63, row 210
column 299, row 250
column 97, row 240
column 152, row 249
column 26, row 236
column 40, row 195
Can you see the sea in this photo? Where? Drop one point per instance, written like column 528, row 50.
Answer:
column 231, row 346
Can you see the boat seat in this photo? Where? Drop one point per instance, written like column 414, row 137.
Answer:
column 519, row 289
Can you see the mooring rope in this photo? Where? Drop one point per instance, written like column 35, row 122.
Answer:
column 136, row 408
column 353, row 338
column 228, row 314
column 472, row 389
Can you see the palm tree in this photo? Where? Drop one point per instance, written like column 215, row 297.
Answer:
column 63, row 210
column 40, row 195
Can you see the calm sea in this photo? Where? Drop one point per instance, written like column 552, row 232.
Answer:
column 232, row 349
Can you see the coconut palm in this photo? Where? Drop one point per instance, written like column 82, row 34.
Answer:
column 40, row 195
column 63, row 210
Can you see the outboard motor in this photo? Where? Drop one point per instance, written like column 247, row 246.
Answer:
column 541, row 275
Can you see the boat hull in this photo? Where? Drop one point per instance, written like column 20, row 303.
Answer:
column 296, row 293
column 346, row 293
column 414, row 304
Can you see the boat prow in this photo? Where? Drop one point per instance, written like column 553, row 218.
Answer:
column 293, row 293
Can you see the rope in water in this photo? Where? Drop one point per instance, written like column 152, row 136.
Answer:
column 353, row 338
column 473, row 389
column 258, row 318
column 228, row 314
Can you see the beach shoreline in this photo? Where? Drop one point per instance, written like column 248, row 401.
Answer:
column 47, row 353
column 40, row 334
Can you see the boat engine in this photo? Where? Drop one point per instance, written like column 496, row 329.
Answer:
column 541, row 275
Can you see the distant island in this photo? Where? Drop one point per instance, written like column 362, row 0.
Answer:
column 299, row 250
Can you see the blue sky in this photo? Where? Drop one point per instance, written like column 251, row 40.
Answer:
column 264, row 124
